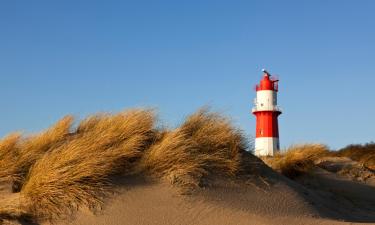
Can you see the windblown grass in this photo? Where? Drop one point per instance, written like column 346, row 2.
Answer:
column 7, row 151
column 297, row 160
column 77, row 173
column 215, row 136
column 64, row 169
column 172, row 158
column 18, row 155
column 7, row 145
column 206, row 143
column 364, row 154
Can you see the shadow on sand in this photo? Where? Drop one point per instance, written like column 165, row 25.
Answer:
column 339, row 198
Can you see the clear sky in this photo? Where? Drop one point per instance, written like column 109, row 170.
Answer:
column 81, row 57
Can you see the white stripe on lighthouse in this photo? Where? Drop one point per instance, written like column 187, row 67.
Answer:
column 266, row 100
column 266, row 146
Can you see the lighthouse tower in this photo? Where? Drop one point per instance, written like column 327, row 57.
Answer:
column 266, row 112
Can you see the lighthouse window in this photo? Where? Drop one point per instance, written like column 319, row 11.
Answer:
column 261, row 104
column 261, row 132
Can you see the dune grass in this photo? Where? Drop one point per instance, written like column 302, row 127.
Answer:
column 215, row 136
column 364, row 154
column 206, row 143
column 172, row 158
column 77, row 172
column 8, row 154
column 66, row 168
column 7, row 145
column 297, row 160
column 18, row 154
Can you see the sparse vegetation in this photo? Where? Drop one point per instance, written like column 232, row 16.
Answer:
column 297, row 159
column 365, row 154
column 63, row 169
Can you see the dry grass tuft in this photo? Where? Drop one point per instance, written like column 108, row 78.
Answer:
column 173, row 158
column 205, row 143
column 297, row 160
column 20, row 154
column 216, row 138
column 77, row 173
column 214, row 135
column 364, row 154
column 11, row 208
column 7, row 146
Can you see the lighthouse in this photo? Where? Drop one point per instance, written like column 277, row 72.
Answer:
column 266, row 112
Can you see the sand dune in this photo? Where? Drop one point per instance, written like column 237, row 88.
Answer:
column 322, row 197
column 124, row 169
column 278, row 201
column 225, row 203
column 270, row 198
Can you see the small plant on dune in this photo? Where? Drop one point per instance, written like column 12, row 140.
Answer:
column 78, row 172
column 365, row 154
column 297, row 160
column 18, row 155
column 205, row 143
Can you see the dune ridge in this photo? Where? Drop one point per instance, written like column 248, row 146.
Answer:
column 64, row 168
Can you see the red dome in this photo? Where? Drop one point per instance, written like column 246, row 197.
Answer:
column 267, row 84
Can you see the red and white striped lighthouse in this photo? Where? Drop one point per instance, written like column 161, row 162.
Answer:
column 266, row 112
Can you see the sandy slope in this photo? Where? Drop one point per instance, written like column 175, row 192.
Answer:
column 346, row 186
column 268, row 198
column 225, row 203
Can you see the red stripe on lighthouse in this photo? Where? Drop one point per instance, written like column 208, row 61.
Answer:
column 266, row 124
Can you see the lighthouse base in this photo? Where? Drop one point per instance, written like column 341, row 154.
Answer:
column 266, row 146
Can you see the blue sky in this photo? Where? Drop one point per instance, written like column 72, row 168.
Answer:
column 81, row 57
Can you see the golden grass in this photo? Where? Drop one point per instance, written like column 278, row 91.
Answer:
column 172, row 158
column 11, row 207
column 7, row 149
column 297, row 160
column 64, row 169
column 214, row 135
column 205, row 143
column 18, row 155
column 7, row 144
column 364, row 154
column 77, row 173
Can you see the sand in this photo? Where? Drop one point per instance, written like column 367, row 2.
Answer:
column 225, row 203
